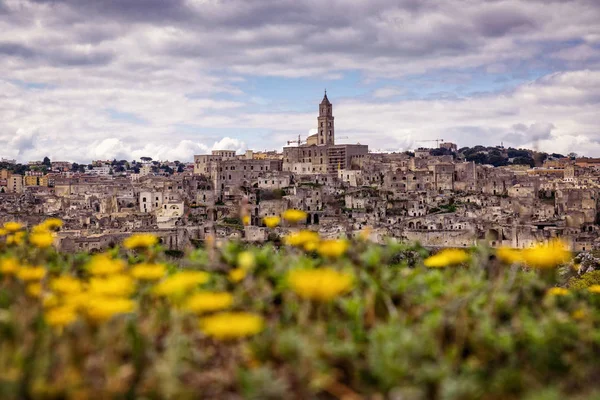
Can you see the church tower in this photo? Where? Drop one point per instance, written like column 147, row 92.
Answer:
column 325, row 127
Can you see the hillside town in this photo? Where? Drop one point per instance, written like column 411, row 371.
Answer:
column 440, row 196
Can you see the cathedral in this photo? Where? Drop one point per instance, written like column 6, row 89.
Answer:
column 319, row 154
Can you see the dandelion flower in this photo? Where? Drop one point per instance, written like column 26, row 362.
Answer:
column 272, row 221
column 66, row 285
column 509, row 256
column 446, row 258
column 303, row 239
column 181, row 282
column 236, row 275
column 140, row 241
column 41, row 240
column 16, row 238
column 52, row 224
column 148, row 272
column 30, row 274
column 113, row 285
column 209, row 301
column 102, row 264
column 557, row 291
column 231, row 325
column 333, row 248
column 546, row 256
column 34, row 290
column 594, row 289
column 294, row 216
column 12, row 227
column 319, row 284
column 246, row 260
column 101, row 309
column 9, row 266
column 246, row 220
column 60, row 316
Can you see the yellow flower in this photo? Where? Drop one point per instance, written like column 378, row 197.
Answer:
column 34, row 290
column 545, row 256
column 103, row 309
column 594, row 289
column 333, row 248
column 246, row 260
column 9, row 266
column 60, row 316
column 303, row 238
column 319, row 284
column 579, row 314
column 231, row 325
column 66, row 285
column 16, row 238
column 12, row 227
column 148, row 272
column 294, row 216
column 102, row 264
column 209, row 301
column 3, row 232
column 446, row 258
column 246, row 220
column 557, row 291
column 236, row 275
column 41, row 240
column 272, row 222
column 28, row 274
column 114, row 285
column 509, row 256
column 52, row 224
column 181, row 282
column 140, row 241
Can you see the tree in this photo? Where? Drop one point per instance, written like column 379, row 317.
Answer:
column 74, row 167
column 146, row 159
column 47, row 162
column 180, row 168
column 572, row 155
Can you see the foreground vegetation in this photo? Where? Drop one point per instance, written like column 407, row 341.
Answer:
column 314, row 319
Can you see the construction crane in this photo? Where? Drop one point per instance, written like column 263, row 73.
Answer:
column 437, row 141
column 299, row 141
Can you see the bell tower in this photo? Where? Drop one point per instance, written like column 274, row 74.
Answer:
column 325, row 126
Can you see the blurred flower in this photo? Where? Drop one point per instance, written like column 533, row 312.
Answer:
column 446, row 258
column 103, row 309
column 246, row 260
column 148, row 272
column 3, row 232
column 366, row 233
column 41, row 240
column 333, row 248
column 302, row 238
column 9, row 266
column 509, row 256
column 181, row 282
column 231, row 325
column 246, row 220
column 12, row 227
column 236, row 274
column 208, row 301
column 140, row 241
column 28, row 274
column 34, row 290
column 579, row 314
column 66, row 285
column 52, row 224
column 321, row 284
column 294, row 216
column 594, row 289
column 544, row 256
column 50, row 300
column 60, row 316
column 272, row 221
column 16, row 238
column 114, row 285
column 102, row 264
column 557, row 291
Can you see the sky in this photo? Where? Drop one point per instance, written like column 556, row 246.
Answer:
column 82, row 80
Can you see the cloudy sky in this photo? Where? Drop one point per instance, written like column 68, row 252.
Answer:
column 104, row 79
